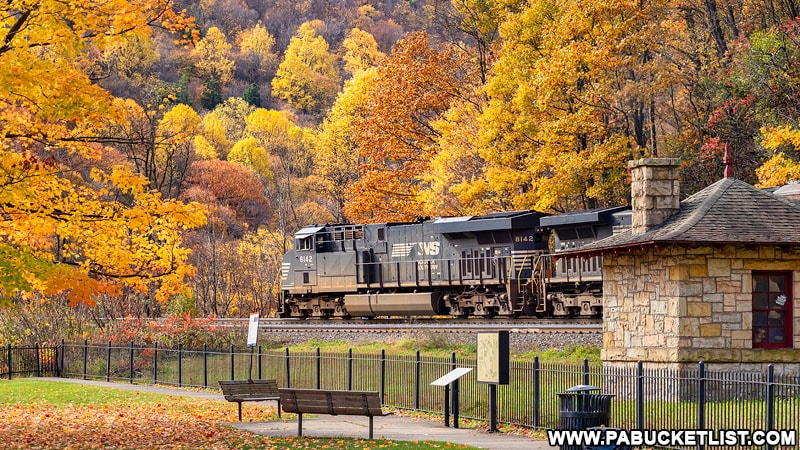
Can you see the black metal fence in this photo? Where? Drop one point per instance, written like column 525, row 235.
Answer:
column 35, row 361
column 645, row 397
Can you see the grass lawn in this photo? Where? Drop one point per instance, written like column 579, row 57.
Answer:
column 437, row 347
column 51, row 415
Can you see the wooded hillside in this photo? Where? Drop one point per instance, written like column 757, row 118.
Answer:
column 156, row 156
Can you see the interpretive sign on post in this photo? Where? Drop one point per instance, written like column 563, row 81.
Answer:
column 493, row 367
column 493, row 356
column 252, row 338
column 451, row 378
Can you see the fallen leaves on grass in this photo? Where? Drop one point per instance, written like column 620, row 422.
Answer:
column 116, row 425
column 174, row 423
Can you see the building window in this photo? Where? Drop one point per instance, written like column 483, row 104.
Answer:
column 772, row 310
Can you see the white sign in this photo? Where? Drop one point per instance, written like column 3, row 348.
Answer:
column 252, row 331
column 451, row 376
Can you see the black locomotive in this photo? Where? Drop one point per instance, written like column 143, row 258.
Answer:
column 498, row 264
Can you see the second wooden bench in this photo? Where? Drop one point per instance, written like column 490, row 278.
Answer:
column 316, row 401
column 250, row 391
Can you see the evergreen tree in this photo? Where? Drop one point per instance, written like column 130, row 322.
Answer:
column 252, row 95
column 182, row 89
column 212, row 94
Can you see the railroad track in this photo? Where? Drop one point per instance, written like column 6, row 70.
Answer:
column 434, row 325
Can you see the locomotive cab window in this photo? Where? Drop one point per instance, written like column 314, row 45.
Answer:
column 772, row 310
column 305, row 243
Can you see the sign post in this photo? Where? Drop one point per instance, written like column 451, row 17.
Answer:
column 493, row 367
column 446, row 380
column 252, row 338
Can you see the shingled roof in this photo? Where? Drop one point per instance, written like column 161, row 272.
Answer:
column 729, row 211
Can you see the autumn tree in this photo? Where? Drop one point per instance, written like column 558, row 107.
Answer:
column 211, row 57
column 248, row 153
column 233, row 197
column 68, row 226
column 335, row 149
column 129, row 67
column 159, row 146
column 360, row 51
column 283, row 141
column 764, row 83
column 474, row 25
column 260, row 254
column 230, row 117
column 412, row 88
column 256, row 49
column 230, row 16
column 307, row 77
column 213, row 65
column 572, row 100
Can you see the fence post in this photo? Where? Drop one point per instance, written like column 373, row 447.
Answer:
column 770, row 399
column 108, row 362
column 130, row 365
column 259, row 362
column 85, row 357
column 454, row 390
column 537, row 395
column 349, row 369
column 180, row 365
column 585, row 370
column 205, row 365
column 155, row 362
column 383, row 376
column 701, row 397
column 38, row 360
column 9, row 361
column 639, row 395
column 416, row 381
column 454, row 393
column 319, row 369
column 232, row 366
column 61, row 359
column 288, row 378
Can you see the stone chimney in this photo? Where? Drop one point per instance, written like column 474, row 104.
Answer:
column 655, row 191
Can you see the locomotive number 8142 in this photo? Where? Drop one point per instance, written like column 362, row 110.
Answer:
column 498, row 264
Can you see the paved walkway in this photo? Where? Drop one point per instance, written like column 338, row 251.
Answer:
column 389, row 427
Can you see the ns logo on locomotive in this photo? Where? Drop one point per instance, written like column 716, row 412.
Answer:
column 501, row 264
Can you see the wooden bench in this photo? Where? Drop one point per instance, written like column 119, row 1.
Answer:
column 350, row 403
column 250, row 391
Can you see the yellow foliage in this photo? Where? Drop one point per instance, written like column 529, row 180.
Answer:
column 211, row 57
column 307, row 78
column 64, row 230
column 779, row 169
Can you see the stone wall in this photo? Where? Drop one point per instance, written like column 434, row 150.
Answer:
column 676, row 305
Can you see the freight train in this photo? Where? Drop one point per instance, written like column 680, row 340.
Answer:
column 501, row 264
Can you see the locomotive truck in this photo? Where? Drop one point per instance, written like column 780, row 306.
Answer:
column 499, row 264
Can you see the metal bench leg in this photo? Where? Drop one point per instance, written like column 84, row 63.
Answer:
column 370, row 427
column 299, row 424
column 279, row 409
column 240, row 411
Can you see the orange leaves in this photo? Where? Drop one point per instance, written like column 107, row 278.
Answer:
column 175, row 423
column 411, row 88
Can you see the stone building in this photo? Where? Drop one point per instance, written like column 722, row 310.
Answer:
column 713, row 278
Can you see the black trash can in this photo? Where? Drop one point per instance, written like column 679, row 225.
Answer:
column 581, row 409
